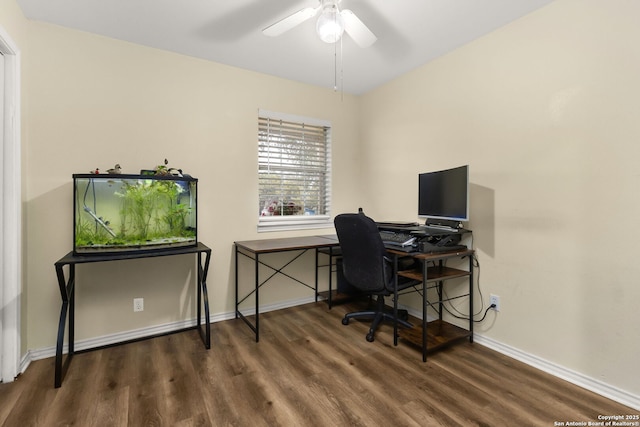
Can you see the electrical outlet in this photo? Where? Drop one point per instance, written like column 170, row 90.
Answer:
column 495, row 300
column 138, row 304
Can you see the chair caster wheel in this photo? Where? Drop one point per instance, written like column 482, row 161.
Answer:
column 370, row 337
column 345, row 321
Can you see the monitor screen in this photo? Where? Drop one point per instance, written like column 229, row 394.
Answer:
column 444, row 194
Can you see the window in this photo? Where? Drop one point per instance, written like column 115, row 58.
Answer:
column 294, row 172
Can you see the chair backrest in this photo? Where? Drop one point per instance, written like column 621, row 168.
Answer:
column 363, row 254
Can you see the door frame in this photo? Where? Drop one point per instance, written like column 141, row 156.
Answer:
column 11, row 286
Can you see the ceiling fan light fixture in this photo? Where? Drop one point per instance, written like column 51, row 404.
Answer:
column 330, row 25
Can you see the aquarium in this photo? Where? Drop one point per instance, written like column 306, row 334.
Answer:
column 133, row 213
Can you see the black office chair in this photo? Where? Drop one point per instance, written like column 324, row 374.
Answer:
column 367, row 267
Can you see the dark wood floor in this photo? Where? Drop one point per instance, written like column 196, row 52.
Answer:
column 307, row 370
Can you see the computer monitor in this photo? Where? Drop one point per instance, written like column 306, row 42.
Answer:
column 444, row 195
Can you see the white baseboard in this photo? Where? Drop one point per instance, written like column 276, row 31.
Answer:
column 276, row 306
column 581, row 380
column 150, row 331
column 599, row 387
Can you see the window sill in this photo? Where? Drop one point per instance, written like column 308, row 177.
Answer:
column 297, row 222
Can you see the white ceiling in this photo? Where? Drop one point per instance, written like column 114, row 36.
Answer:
column 410, row 32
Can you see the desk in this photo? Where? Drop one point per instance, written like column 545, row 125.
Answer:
column 67, row 292
column 254, row 248
column 437, row 333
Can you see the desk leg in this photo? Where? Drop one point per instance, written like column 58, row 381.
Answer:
column 330, row 276
column 204, row 294
column 440, row 293
column 424, row 310
column 395, row 299
column 317, row 274
column 255, row 326
column 72, row 312
column 470, row 298
column 199, row 297
column 67, row 295
column 236, row 281
column 440, row 302
column 257, row 265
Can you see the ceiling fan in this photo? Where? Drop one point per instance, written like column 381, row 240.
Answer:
column 331, row 23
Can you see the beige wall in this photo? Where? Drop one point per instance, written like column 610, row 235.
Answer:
column 545, row 111
column 14, row 22
column 94, row 102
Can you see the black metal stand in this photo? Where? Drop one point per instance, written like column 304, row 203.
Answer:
column 67, row 292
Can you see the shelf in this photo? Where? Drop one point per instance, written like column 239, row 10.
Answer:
column 439, row 334
column 435, row 274
column 437, row 256
column 338, row 298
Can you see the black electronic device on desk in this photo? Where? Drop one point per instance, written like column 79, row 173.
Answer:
column 432, row 248
column 395, row 224
column 443, row 196
column 421, row 239
column 443, row 202
column 441, row 241
column 401, row 241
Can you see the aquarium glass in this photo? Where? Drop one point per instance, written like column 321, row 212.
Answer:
column 132, row 213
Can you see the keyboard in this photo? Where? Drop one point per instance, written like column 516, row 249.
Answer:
column 407, row 249
column 397, row 239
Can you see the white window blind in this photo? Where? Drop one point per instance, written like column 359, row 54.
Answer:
column 294, row 172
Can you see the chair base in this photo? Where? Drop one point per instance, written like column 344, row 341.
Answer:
column 379, row 316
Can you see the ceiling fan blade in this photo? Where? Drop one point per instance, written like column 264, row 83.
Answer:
column 357, row 30
column 290, row 21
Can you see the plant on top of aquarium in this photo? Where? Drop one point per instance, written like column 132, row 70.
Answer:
column 166, row 170
column 162, row 169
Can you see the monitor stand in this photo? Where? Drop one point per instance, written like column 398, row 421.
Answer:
column 445, row 224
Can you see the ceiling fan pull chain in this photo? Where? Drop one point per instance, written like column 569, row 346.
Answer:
column 335, row 67
column 341, row 72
